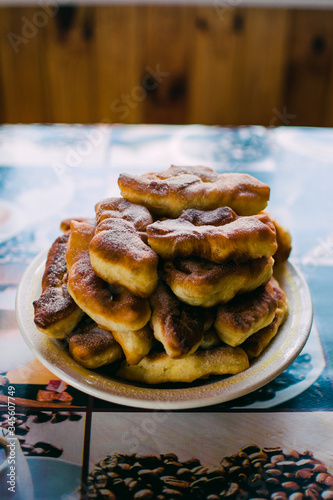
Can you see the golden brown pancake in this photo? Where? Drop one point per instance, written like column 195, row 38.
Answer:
column 115, row 309
column 136, row 344
column 119, row 208
column 178, row 326
column 159, row 368
column 243, row 239
column 118, row 253
column 92, row 347
column 283, row 239
column 258, row 342
column 246, row 314
column 65, row 224
column 120, row 257
column 55, row 312
column 170, row 192
column 201, row 283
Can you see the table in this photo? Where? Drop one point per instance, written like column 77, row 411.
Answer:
column 49, row 173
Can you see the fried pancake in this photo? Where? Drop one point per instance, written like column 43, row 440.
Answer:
column 246, row 314
column 119, row 256
column 170, row 192
column 92, row 347
column 283, row 239
column 218, row 217
column 55, row 312
column 179, row 327
column 112, row 308
column 65, row 224
column 137, row 344
column 243, row 239
column 210, row 339
column 201, row 283
column 159, row 368
column 119, row 208
column 258, row 342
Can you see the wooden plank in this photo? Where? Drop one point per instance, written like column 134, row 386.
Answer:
column 70, row 66
column 238, row 65
column 310, row 67
column 212, row 67
column 167, row 36
column 261, row 67
column 118, row 49
column 21, row 78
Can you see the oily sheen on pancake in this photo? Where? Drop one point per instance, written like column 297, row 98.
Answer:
column 243, row 239
column 55, row 312
column 170, row 192
column 202, row 283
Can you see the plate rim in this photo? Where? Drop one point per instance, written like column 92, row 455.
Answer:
column 190, row 397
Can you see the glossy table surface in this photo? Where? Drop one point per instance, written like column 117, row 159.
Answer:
column 49, row 173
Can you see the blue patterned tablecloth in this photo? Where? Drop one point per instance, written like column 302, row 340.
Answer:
column 48, row 173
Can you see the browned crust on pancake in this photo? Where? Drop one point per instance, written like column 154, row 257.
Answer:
column 202, row 283
column 243, row 239
column 111, row 308
column 55, row 312
column 258, row 342
column 119, row 256
column 246, row 314
column 178, row 326
column 170, row 192
column 92, row 347
column 119, row 208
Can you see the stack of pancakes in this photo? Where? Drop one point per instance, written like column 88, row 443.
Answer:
column 174, row 278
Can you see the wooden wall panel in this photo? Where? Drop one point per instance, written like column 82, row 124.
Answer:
column 216, row 46
column 223, row 65
column 22, row 81
column 238, row 65
column 69, row 65
column 166, row 37
column 261, row 66
column 118, row 53
column 309, row 67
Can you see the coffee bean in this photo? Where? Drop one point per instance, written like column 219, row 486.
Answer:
column 291, row 486
column 327, row 495
column 172, row 494
column 143, row 495
column 312, row 494
column 304, row 474
column 273, row 472
column 286, row 465
column 272, row 451
column 279, row 495
column 231, row 491
column 192, row 462
column 250, row 448
column 296, row 496
column 277, row 458
column 184, row 473
column 325, row 478
column 105, row 494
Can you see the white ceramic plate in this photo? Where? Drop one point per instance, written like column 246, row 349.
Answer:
column 281, row 352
